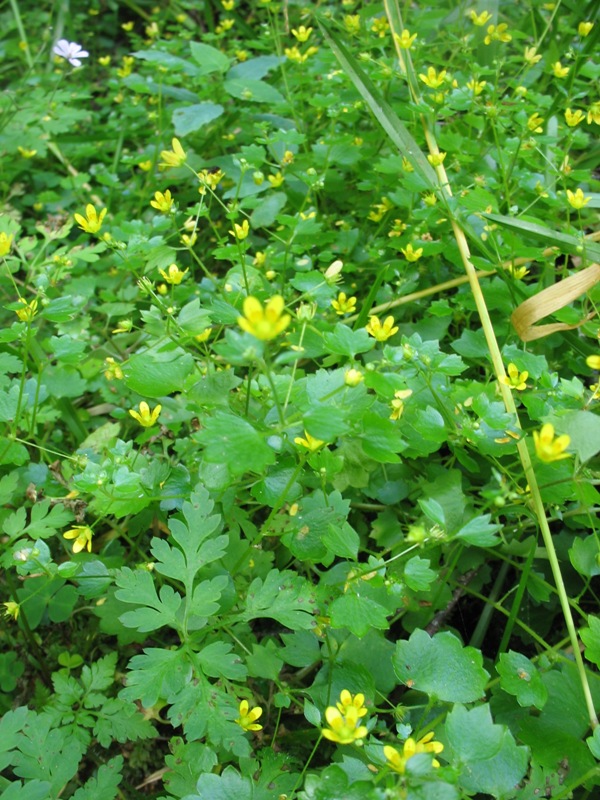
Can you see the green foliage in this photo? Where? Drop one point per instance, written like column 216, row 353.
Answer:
column 314, row 544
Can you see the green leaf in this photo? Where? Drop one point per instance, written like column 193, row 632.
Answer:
column 519, row 676
column 45, row 754
column 358, row 614
column 584, row 555
column 32, row 790
column 253, row 91
column 264, row 662
column 232, row 441
column 217, row 661
column 566, row 242
column 266, row 212
column 155, row 612
column 10, row 724
column 479, row 532
column 191, row 118
column 342, row 541
column 10, row 671
column 209, row 58
column 417, row 574
column 381, row 438
column 229, row 785
column 325, row 422
column 121, row 721
column 104, row 785
column 156, row 675
column 153, row 374
column 168, row 61
column 591, row 638
column 100, row 675
column 441, row 667
column 486, row 756
column 346, row 342
column 584, row 429
column 283, row 596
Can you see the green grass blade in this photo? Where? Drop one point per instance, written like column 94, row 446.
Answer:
column 565, row 241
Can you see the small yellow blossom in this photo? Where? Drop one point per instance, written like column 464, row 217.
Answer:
column 5, row 243
column 405, row 39
column 534, row 123
column 163, row 202
column 480, row 19
column 287, row 159
column 584, row 28
column 380, row 26
column 344, row 727
column 559, row 71
column 397, row 761
column 301, row 33
column 344, row 305
column 398, row 227
column 28, row 311
column 548, row 448
column 260, row 259
column 518, row 273
column 112, row 371
column 25, row 153
column 352, row 377
column 531, row 56
column 126, row 69
column 189, row 240
column 348, row 700
column 92, row 222
column 210, row 178
column 352, row 23
column 248, row 716
column 152, row 31
column 144, row 416
column 573, row 118
column 204, row 336
column 104, row 61
column 309, row 442
column 145, row 166
column 174, row 157
column 173, row 275
column 124, row 326
column 228, row 5
column 241, row 55
column 430, row 199
column 578, row 199
column 410, row 254
column 497, row 33
column 436, row 159
column 515, row 379
column 11, row 609
column 127, row 26
column 397, row 403
column 593, row 114
column 224, row 26
column 240, row 232
column 276, row 180
column 593, row 362
column 476, row 87
column 83, row 538
column 264, row 323
column 379, row 210
column 433, row 79
column 381, row 332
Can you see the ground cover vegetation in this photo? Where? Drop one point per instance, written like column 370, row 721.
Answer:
column 299, row 377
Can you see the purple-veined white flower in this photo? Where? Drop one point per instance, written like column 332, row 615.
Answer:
column 72, row 51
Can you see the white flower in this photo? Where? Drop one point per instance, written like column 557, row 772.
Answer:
column 71, row 51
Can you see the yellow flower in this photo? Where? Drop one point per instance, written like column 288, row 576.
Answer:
column 162, row 202
column 379, row 210
column 104, row 61
column 276, row 180
column 497, row 33
column 352, row 23
column 144, row 416
column 343, row 304
column 112, row 371
column 28, row 311
column 145, row 166
column 344, row 728
column 352, row 377
column 228, row 5
column 348, row 700
column 397, row 761
column 260, row 259
column 405, row 40
column 83, row 538
column 380, row 26
column 124, row 326
column 593, row 362
column 92, row 222
column 11, row 609
column 578, row 199
column 174, row 157
column 584, row 28
column 531, row 56
column 397, row 403
column 411, row 254
column 381, row 332
column 549, row 449
column 302, row 34
column 5, row 243
column 224, row 26
column 309, row 442
column 210, row 179
column 173, row 275
column 436, row 159
column 25, row 152
column 125, row 70
column 288, row 158
column 127, row 26
column 480, row 19
column 573, row 118
column 476, row 87
column 240, row 232
column 248, row 716
column 189, row 240
column 264, row 323
column 534, row 123
column 430, row 199
column 593, row 114
column 398, row 227
column 241, row 55
column 559, row 71
column 518, row 273
column 433, row 79
column 515, row 379
column 204, row 336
